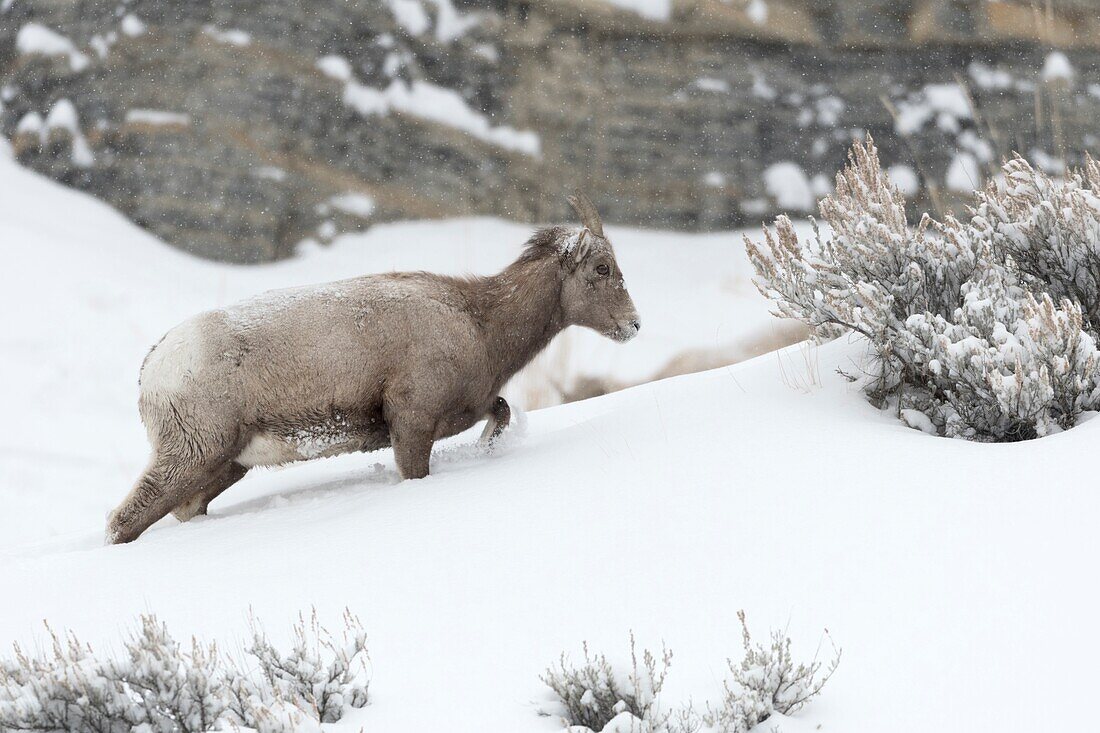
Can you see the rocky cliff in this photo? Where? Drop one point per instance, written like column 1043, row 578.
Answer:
column 236, row 128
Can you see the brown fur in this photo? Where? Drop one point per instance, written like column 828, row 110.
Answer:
column 398, row 360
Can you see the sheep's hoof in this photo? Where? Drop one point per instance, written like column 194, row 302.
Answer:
column 188, row 510
column 494, row 427
column 114, row 536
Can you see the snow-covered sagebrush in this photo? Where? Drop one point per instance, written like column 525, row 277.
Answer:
column 594, row 694
column 983, row 329
column 321, row 673
column 597, row 697
column 159, row 686
column 766, row 681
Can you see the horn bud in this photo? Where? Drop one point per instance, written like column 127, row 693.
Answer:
column 586, row 210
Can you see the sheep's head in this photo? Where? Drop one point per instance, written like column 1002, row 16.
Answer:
column 594, row 293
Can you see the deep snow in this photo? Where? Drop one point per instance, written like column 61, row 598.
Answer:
column 956, row 576
column 86, row 294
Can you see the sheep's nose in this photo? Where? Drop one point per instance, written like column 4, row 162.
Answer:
column 637, row 325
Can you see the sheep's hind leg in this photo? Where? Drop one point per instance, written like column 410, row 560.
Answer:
column 230, row 473
column 163, row 485
column 499, row 417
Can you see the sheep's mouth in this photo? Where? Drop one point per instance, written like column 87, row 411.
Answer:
column 625, row 332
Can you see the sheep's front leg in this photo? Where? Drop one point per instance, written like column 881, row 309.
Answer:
column 499, row 416
column 412, row 447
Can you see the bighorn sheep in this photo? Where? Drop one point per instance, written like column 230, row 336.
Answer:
column 400, row 359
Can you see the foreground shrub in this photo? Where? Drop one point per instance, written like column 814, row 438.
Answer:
column 593, row 694
column 158, row 686
column 594, row 697
column 321, row 673
column 981, row 330
column 766, row 681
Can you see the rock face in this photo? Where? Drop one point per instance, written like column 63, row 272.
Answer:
column 236, row 128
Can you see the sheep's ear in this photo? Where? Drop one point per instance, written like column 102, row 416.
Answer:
column 583, row 246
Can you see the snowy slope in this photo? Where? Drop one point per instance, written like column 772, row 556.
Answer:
column 85, row 294
column 957, row 576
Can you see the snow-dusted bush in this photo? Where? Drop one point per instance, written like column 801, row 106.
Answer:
column 982, row 329
column 159, row 686
column 1048, row 230
column 321, row 673
column 766, row 681
column 596, row 697
column 593, row 694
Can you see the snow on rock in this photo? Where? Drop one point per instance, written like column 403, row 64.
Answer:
column 947, row 98
column 757, row 10
column 1050, row 164
column 100, row 45
column 708, row 84
column 63, row 116
column 964, row 175
column 828, row 110
column 428, row 101
column 356, row 204
column 988, row 77
column 947, row 103
column 366, row 100
column 450, row 25
column 132, row 25
column 230, row 36
column 972, row 142
column 335, row 67
column 157, row 117
column 410, row 15
column 34, row 38
column 788, row 185
column 1057, row 67
column 714, row 179
column 761, row 88
column 447, row 107
column 30, row 124
column 652, row 9
column 271, row 173
column 905, row 178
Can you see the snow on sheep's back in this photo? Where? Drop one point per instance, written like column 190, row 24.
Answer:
column 955, row 575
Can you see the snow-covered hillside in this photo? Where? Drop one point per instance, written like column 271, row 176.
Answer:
column 86, row 294
column 955, row 575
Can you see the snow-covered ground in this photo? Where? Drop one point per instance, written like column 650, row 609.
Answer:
column 956, row 576
column 86, row 294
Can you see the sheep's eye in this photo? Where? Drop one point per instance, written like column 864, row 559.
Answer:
column 603, row 270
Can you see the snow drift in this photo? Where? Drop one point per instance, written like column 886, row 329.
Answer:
column 955, row 575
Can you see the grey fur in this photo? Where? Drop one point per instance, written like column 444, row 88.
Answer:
column 401, row 359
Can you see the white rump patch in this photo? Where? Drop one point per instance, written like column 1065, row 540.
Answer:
column 174, row 361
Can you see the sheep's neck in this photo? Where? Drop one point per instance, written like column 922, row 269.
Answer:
column 521, row 314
